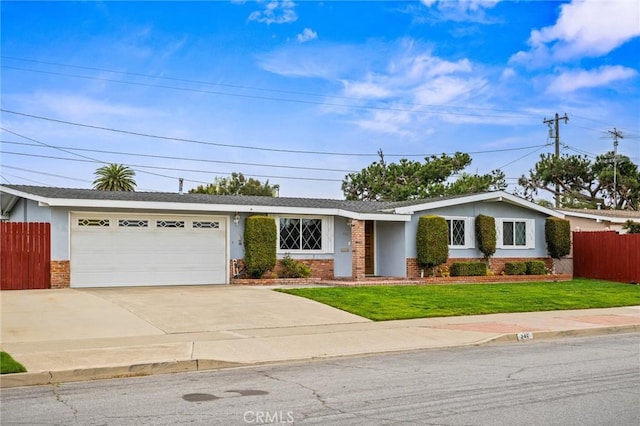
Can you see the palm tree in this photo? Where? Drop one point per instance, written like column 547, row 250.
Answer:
column 114, row 177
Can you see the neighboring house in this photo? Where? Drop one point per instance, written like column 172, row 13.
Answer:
column 598, row 219
column 104, row 239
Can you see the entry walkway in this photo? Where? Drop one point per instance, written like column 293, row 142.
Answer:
column 71, row 335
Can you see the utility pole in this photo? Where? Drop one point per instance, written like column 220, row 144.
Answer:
column 556, row 122
column 615, row 134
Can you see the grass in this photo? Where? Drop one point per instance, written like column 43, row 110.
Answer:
column 383, row 303
column 9, row 365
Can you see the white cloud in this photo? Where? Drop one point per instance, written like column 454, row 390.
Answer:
column 458, row 11
column 575, row 80
column 307, row 35
column 587, row 28
column 276, row 12
column 365, row 89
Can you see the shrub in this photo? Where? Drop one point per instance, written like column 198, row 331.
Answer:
column 260, row 240
column 536, row 267
column 515, row 268
column 557, row 232
column 432, row 241
column 292, row 268
column 486, row 235
column 468, row 269
column 631, row 227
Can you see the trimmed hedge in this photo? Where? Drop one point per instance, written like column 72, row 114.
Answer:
column 515, row 268
column 468, row 269
column 260, row 241
column 432, row 241
column 536, row 267
column 557, row 232
column 486, row 235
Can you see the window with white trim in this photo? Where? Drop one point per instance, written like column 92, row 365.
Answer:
column 304, row 235
column 515, row 233
column 460, row 232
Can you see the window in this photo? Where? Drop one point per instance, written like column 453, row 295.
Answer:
column 515, row 233
column 169, row 224
column 300, row 234
column 205, row 224
column 456, row 232
column 101, row 223
column 461, row 232
column 133, row 223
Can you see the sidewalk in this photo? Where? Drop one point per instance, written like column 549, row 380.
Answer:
column 76, row 335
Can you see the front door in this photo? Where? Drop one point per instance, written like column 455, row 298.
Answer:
column 369, row 251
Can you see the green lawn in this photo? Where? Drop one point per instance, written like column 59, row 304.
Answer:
column 382, row 303
column 10, row 365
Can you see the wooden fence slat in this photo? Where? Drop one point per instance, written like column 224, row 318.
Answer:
column 25, row 255
column 607, row 255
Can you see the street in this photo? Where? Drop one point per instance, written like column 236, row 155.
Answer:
column 569, row 381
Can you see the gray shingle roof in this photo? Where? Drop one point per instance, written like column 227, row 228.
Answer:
column 173, row 197
column 377, row 207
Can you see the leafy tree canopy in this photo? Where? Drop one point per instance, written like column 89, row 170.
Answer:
column 584, row 184
column 410, row 179
column 237, row 184
column 114, row 177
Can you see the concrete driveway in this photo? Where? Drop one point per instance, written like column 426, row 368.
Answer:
column 71, row 314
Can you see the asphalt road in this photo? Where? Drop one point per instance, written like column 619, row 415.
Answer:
column 586, row 381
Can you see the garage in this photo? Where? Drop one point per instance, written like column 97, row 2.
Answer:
column 124, row 249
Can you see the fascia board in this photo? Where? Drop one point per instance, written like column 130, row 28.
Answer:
column 488, row 196
column 600, row 217
column 28, row 196
column 230, row 208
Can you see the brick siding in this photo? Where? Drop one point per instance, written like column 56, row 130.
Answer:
column 60, row 274
column 358, row 249
column 321, row 269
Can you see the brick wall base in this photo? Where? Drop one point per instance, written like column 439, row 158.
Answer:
column 321, row 269
column 60, row 274
column 497, row 264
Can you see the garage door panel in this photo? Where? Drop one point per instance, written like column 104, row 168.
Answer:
column 113, row 255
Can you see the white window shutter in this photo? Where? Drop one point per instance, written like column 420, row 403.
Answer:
column 499, row 233
column 470, row 233
column 531, row 233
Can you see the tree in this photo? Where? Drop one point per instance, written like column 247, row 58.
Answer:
column 432, row 244
column 583, row 184
column 114, row 177
column 410, row 179
column 237, row 184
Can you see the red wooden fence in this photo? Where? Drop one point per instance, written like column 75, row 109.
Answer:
column 607, row 255
column 25, row 255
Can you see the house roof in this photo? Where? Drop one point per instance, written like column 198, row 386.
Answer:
column 372, row 210
column 614, row 216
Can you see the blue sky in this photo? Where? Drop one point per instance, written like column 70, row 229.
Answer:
column 301, row 93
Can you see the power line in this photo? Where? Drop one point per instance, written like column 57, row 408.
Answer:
column 169, row 168
column 290, row 151
column 202, row 160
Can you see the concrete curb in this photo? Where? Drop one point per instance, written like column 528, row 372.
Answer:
column 147, row 369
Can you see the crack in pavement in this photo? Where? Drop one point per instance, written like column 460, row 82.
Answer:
column 54, row 390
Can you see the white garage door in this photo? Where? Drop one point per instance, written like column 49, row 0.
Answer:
column 111, row 250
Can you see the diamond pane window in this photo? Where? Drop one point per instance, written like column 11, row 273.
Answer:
column 311, row 234
column 456, row 232
column 290, row 234
column 300, row 234
column 204, row 224
column 169, row 223
column 507, row 233
column 133, row 223
column 93, row 222
column 520, row 233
